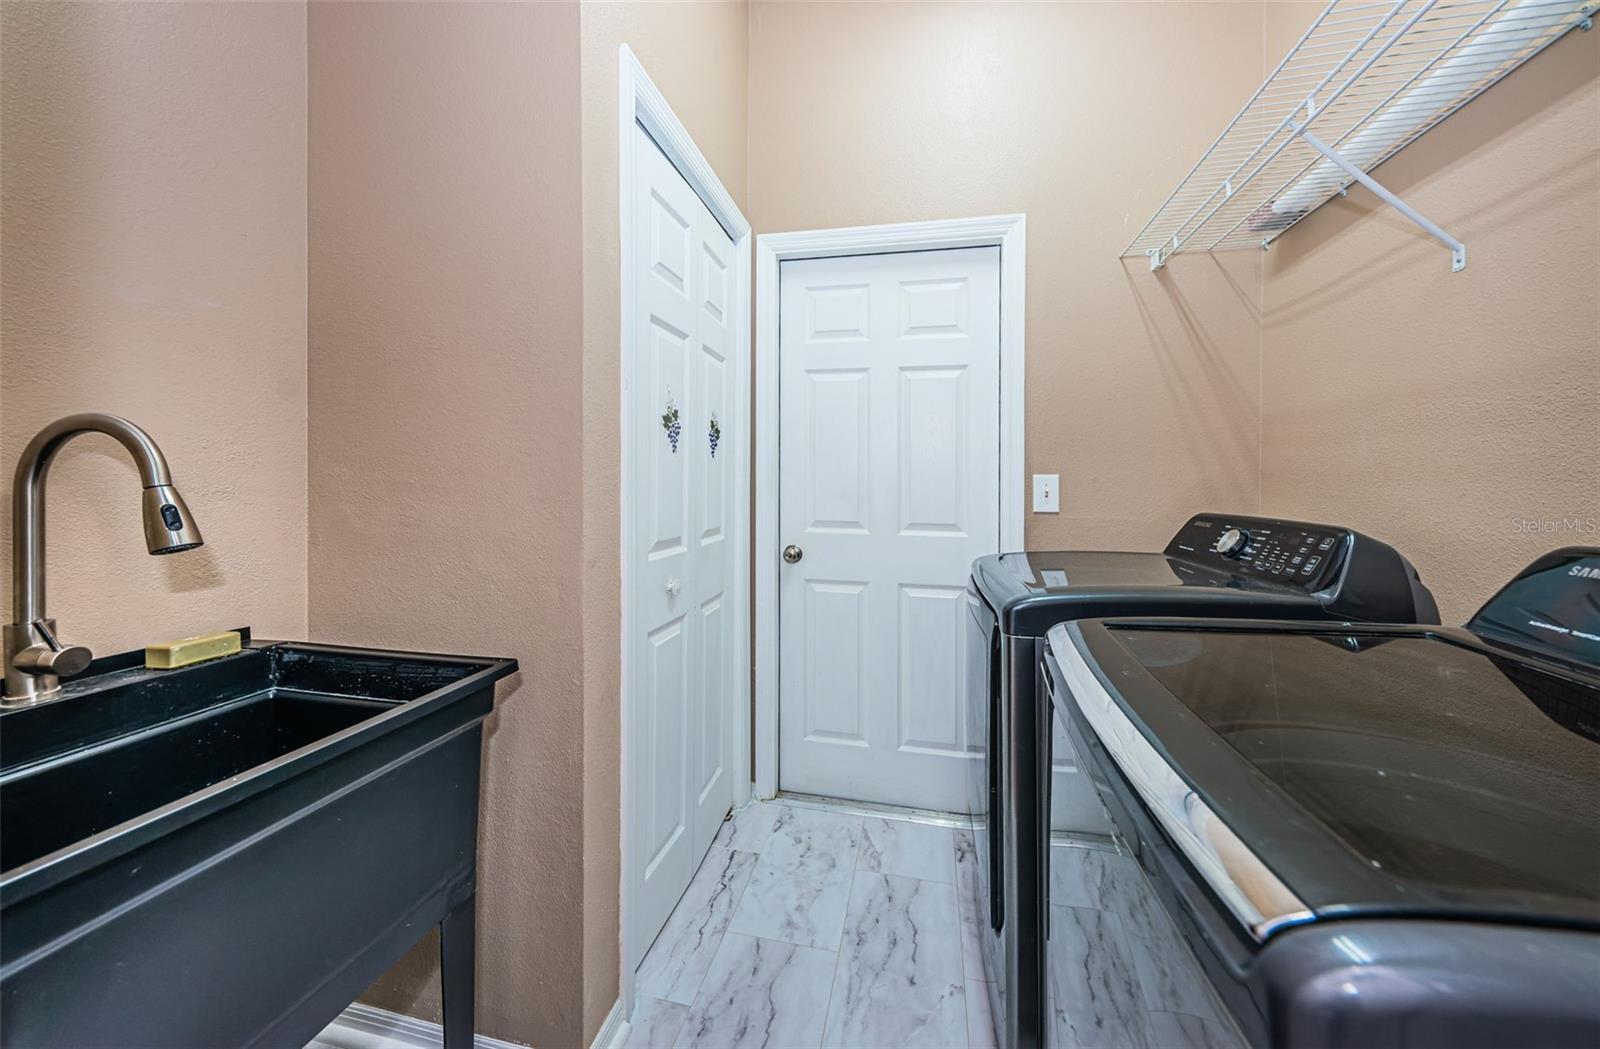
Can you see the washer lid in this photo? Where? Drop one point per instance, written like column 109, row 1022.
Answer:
column 1376, row 769
column 1033, row 591
column 1039, row 573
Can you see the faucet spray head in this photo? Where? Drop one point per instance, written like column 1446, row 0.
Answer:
column 168, row 527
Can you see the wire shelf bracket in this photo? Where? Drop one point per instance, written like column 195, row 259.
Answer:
column 1458, row 250
column 1372, row 76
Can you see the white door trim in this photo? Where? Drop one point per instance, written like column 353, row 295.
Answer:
column 641, row 102
column 1009, row 232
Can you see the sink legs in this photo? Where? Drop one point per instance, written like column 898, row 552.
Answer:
column 456, row 949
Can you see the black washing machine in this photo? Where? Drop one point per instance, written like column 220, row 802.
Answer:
column 1217, row 565
column 1336, row 835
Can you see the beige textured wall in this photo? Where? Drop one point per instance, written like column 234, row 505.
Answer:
column 1143, row 389
column 695, row 53
column 153, row 265
column 463, row 458
column 1456, row 415
column 445, row 411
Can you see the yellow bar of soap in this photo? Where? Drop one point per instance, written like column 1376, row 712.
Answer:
column 169, row 655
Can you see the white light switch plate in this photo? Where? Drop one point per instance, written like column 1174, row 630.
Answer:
column 1047, row 493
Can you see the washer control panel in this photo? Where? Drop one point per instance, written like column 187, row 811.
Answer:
column 1289, row 553
column 1232, row 543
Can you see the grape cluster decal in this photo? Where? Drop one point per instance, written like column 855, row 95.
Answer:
column 714, row 435
column 670, row 422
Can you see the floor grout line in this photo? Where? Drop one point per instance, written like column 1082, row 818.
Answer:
column 838, row 955
column 865, row 809
column 961, row 949
column 720, row 936
column 698, row 987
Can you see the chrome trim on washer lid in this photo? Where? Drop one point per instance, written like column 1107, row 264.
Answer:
column 1261, row 902
column 1284, row 921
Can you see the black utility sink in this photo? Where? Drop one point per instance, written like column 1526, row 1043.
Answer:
column 228, row 854
column 129, row 742
column 59, row 802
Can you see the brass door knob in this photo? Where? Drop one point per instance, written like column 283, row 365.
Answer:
column 792, row 553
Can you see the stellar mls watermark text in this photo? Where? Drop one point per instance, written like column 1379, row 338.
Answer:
column 1578, row 525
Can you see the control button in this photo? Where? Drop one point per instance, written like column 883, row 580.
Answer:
column 1312, row 562
column 1325, row 544
column 1298, row 560
column 170, row 517
column 1232, row 543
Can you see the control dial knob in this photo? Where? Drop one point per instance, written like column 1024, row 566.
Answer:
column 1232, row 542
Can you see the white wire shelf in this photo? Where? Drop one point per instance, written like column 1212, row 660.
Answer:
column 1363, row 82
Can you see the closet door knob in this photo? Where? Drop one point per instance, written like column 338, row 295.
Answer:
column 792, row 553
column 673, row 586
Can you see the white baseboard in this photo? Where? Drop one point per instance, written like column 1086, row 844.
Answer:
column 368, row 1027
column 613, row 1034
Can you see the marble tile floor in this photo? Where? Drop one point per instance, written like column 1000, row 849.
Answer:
column 809, row 927
column 806, row 927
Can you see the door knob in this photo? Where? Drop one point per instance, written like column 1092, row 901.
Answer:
column 673, row 586
column 792, row 553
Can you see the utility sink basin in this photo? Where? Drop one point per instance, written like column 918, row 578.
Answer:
column 227, row 854
column 59, row 802
column 136, row 740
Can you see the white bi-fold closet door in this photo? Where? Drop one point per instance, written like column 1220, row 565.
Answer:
column 682, row 650
column 889, row 487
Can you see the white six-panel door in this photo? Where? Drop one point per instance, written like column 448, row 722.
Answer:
column 681, row 395
column 889, row 430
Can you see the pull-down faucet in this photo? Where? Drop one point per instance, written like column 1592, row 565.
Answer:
column 35, row 661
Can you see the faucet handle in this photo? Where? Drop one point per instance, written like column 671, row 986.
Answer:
column 51, row 656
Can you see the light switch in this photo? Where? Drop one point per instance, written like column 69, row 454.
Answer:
column 1047, row 493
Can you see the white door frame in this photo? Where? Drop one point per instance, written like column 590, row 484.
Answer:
column 1009, row 233
column 641, row 102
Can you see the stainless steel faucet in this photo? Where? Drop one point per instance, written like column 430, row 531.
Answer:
column 35, row 660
